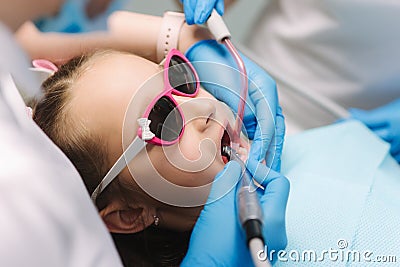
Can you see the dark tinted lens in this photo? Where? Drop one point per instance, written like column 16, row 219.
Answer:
column 166, row 120
column 181, row 76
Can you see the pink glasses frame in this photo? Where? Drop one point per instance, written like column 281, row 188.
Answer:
column 168, row 92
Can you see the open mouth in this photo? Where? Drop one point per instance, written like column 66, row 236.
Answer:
column 225, row 141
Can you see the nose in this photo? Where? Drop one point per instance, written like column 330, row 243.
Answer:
column 199, row 112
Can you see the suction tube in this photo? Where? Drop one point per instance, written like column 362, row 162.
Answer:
column 222, row 35
column 243, row 92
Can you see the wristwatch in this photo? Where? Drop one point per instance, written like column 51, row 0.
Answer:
column 169, row 33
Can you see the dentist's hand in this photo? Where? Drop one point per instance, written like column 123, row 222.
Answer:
column 385, row 122
column 218, row 239
column 198, row 11
column 263, row 117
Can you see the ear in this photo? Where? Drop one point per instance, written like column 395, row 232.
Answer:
column 120, row 218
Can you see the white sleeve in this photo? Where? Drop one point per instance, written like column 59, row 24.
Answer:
column 46, row 215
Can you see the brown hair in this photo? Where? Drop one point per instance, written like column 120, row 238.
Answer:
column 82, row 147
column 150, row 247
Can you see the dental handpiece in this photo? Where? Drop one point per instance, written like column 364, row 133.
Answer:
column 249, row 210
column 250, row 213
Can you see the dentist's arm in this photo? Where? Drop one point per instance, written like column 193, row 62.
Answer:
column 127, row 31
column 218, row 238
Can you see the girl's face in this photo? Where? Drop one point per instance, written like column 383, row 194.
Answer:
column 114, row 92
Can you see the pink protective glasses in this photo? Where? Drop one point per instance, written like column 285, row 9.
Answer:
column 163, row 122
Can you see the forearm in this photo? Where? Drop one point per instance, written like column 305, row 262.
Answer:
column 58, row 47
column 139, row 33
column 127, row 31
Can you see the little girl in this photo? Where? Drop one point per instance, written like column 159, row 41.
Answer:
column 95, row 103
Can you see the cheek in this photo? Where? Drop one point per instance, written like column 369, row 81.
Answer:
column 191, row 162
column 195, row 152
column 190, row 147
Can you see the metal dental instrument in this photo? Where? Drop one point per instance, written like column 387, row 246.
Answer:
column 249, row 208
column 250, row 213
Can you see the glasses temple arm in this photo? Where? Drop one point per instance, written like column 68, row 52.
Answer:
column 130, row 153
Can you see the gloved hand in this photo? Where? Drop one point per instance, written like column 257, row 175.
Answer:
column 263, row 117
column 197, row 12
column 217, row 238
column 385, row 122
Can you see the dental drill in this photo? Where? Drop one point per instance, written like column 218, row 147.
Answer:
column 249, row 208
column 250, row 213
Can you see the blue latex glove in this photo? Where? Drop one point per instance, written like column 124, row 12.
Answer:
column 263, row 117
column 218, row 239
column 197, row 12
column 385, row 122
column 273, row 155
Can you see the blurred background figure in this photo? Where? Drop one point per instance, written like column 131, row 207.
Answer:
column 346, row 51
column 81, row 16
